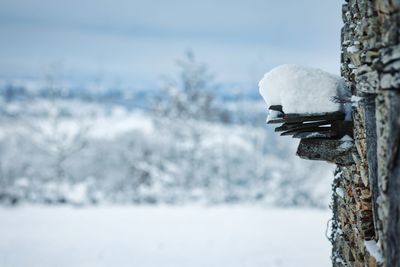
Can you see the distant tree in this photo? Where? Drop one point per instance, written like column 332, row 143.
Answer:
column 57, row 135
column 192, row 95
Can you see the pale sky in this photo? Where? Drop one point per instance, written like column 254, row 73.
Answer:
column 137, row 42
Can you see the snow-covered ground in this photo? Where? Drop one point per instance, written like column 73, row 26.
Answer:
column 224, row 236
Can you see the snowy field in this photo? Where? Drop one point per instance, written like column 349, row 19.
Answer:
column 191, row 236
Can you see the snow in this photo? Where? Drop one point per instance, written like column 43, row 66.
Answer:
column 109, row 127
column 346, row 146
column 239, row 159
column 273, row 114
column 340, row 192
column 341, row 261
column 77, row 194
column 302, row 89
column 353, row 49
column 346, row 138
column 352, row 66
column 163, row 236
column 346, row 143
column 355, row 100
column 374, row 250
column 313, row 135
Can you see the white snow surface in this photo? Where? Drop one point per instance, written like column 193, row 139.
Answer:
column 273, row 114
column 301, row 89
column 155, row 236
column 339, row 192
column 355, row 100
column 353, row 49
column 346, row 138
column 374, row 250
column 347, row 143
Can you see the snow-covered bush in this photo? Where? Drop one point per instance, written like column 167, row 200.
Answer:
column 191, row 147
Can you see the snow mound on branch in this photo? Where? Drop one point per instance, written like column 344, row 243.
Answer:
column 302, row 89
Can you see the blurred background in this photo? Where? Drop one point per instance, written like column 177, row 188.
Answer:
column 147, row 113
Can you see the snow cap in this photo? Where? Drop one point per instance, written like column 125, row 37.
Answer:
column 302, row 89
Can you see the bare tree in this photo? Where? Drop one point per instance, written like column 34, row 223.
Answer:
column 57, row 134
column 191, row 95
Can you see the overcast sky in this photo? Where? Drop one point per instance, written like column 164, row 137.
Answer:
column 137, row 42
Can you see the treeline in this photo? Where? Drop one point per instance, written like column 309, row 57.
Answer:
column 188, row 146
